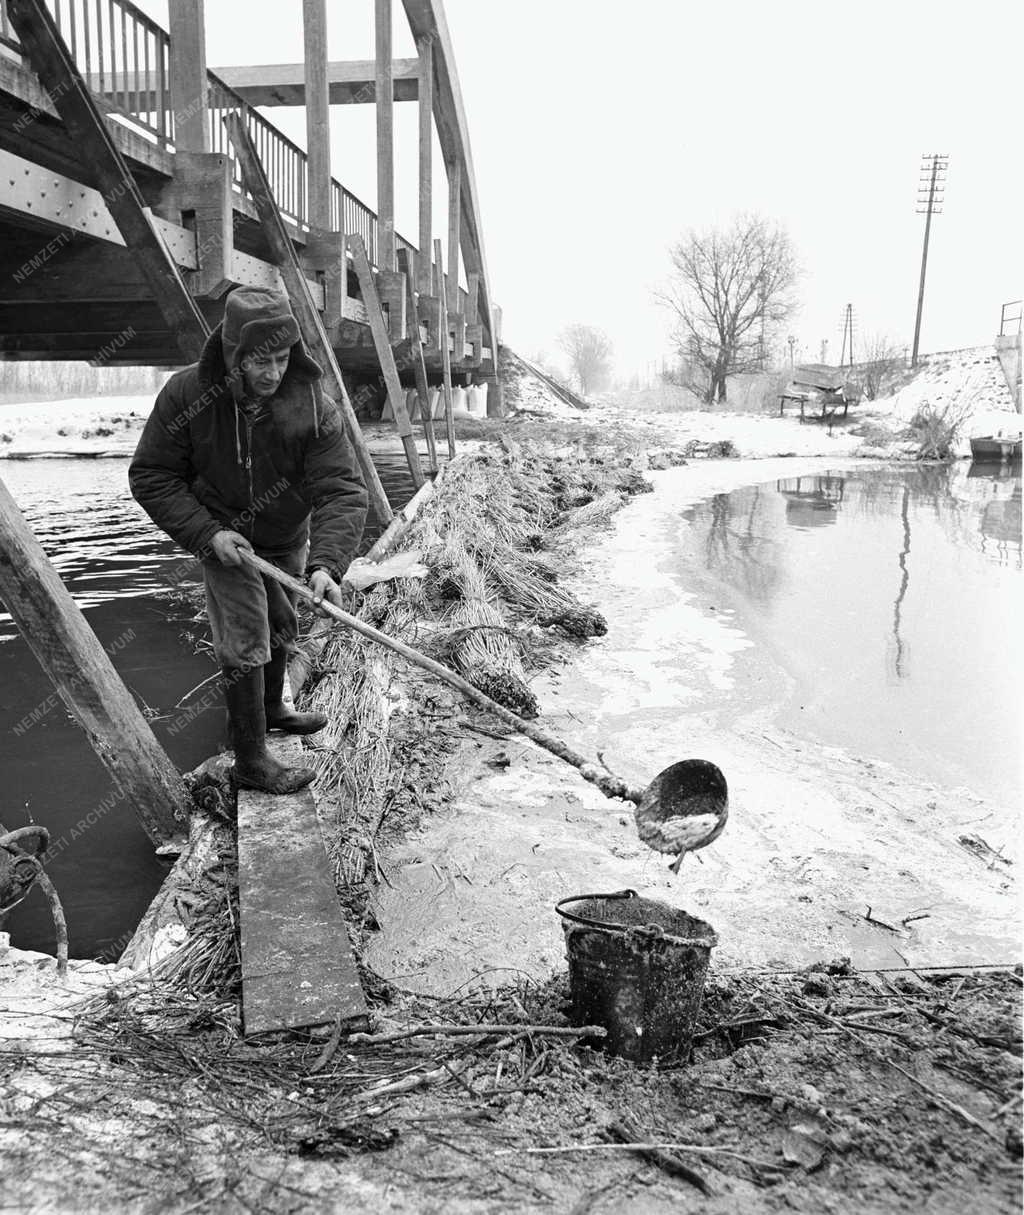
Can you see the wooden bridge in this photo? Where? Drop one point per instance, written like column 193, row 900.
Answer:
column 70, row 288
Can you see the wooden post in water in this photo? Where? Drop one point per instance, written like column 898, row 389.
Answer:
column 419, row 368
column 385, row 355
column 82, row 673
column 446, row 360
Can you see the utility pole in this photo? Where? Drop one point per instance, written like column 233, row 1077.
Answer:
column 847, row 335
column 930, row 189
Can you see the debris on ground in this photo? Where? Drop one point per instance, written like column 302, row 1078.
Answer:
column 898, row 1090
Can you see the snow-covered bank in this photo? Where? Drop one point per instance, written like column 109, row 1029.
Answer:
column 816, row 835
column 111, row 426
column 968, row 387
column 90, row 426
column 38, row 1005
column 755, row 435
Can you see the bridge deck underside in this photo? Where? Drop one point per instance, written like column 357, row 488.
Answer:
column 68, row 295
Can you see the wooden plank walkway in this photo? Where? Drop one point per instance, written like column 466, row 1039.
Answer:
column 297, row 964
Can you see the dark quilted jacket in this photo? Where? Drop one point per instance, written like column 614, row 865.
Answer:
column 203, row 464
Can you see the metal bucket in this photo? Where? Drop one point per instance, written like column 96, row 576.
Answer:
column 636, row 967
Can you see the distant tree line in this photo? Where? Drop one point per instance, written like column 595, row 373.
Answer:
column 32, row 381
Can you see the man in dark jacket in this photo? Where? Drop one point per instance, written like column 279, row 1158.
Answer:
column 243, row 451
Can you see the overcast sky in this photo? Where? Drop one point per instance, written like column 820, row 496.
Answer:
column 602, row 131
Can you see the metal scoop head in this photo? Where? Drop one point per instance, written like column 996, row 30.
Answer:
column 684, row 808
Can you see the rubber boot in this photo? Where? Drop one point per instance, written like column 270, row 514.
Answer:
column 255, row 767
column 279, row 715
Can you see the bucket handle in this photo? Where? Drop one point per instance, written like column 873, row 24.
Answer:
column 580, row 919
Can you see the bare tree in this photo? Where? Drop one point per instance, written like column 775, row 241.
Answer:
column 882, row 362
column 730, row 292
column 590, row 354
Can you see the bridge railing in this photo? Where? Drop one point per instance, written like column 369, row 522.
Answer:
column 125, row 58
column 283, row 162
column 123, row 55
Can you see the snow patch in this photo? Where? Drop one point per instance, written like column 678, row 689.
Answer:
column 78, row 426
column 967, row 384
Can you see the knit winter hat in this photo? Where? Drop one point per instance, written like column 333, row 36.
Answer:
column 256, row 320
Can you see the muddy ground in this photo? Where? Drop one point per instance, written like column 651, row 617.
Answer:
column 810, row 1092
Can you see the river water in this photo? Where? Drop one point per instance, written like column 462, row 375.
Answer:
column 121, row 571
column 889, row 602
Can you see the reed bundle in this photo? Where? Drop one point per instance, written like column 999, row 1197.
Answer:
column 208, row 965
column 353, row 758
column 462, row 547
column 485, row 653
column 524, row 585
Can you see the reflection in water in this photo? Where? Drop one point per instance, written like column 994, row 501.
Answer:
column 999, row 486
column 844, row 577
column 811, row 501
column 735, row 540
column 897, row 610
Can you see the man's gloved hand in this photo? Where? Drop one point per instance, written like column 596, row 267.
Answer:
column 225, row 545
column 324, row 587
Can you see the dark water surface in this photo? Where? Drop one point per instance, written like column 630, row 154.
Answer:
column 892, row 599
column 119, row 568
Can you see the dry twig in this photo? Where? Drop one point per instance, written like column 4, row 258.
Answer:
column 419, row 1031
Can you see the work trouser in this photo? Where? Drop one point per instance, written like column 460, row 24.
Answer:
column 251, row 615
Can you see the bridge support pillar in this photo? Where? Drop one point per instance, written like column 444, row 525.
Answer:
column 457, row 329
column 325, row 259
column 424, row 47
column 430, row 314
column 318, row 112
column 454, row 232
column 495, row 395
column 474, row 345
column 201, row 192
column 188, row 75
column 472, row 298
column 385, row 86
column 391, row 289
column 474, row 339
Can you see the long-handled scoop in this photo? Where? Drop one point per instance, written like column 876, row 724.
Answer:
column 681, row 810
